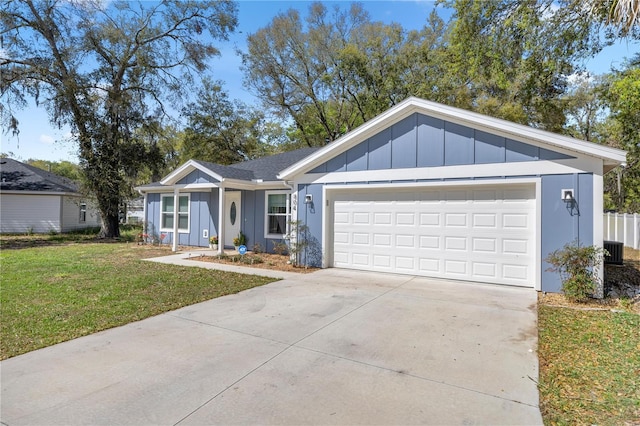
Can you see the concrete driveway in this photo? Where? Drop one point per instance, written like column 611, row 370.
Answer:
column 332, row 347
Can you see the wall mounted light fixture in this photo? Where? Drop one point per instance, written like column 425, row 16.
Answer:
column 567, row 195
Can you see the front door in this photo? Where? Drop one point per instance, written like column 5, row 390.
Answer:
column 231, row 216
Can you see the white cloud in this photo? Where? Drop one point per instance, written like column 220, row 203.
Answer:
column 47, row 139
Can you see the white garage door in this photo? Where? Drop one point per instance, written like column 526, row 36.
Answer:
column 482, row 233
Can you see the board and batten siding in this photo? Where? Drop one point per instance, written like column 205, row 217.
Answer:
column 29, row 213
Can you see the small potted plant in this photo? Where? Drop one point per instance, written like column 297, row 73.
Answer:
column 213, row 242
column 240, row 240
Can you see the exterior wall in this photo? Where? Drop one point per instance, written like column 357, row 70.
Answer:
column 253, row 221
column 30, row 213
column 71, row 214
column 422, row 141
column 311, row 216
column 563, row 222
column 560, row 223
column 203, row 214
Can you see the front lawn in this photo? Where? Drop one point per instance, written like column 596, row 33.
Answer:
column 53, row 291
column 589, row 366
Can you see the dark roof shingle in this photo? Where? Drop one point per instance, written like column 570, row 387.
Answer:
column 265, row 168
column 17, row 176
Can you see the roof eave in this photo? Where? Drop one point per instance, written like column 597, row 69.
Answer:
column 185, row 169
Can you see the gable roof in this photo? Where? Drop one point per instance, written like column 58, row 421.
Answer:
column 611, row 157
column 260, row 169
column 17, row 176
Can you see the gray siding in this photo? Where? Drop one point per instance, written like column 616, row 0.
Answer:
column 253, row 217
column 563, row 223
column 197, row 176
column 422, row 141
column 311, row 216
column 203, row 214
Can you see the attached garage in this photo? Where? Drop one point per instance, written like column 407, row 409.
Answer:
column 431, row 190
column 484, row 233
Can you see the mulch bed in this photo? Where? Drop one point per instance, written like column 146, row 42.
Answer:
column 276, row 262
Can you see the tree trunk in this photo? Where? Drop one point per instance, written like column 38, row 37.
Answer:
column 110, row 226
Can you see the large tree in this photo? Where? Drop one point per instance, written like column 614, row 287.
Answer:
column 328, row 72
column 107, row 69
column 622, row 94
column 219, row 129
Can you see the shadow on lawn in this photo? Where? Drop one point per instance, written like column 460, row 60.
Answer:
column 22, row 241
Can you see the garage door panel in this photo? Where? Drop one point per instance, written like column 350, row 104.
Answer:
column 484, row 245
column 487, row 270
column 515, row 272
column 466, row 233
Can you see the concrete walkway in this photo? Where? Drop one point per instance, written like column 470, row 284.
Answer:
column 332, row 347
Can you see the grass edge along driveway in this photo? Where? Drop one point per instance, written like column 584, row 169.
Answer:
column 54, row 293
column 589, row 366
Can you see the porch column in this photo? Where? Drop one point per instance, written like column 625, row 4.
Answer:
column 145, row 219
column 221, row 216
column 176, row 200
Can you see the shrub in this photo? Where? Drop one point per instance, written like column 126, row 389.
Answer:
column 578, row 269
column 257, row 248
column 280, row 248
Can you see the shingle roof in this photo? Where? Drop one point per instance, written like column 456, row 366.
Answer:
column 17, row 176
column 265, row 168
column 227, row 171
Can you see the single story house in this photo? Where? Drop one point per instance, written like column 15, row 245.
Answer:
column 38, row 201
column 422, row 189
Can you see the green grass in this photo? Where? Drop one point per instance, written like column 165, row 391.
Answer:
column 57, row 291
column 589, row 366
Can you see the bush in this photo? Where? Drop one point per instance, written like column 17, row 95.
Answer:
column 280, row 248
column 578, row 269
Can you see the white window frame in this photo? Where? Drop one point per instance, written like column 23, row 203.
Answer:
column 266, row 214
column 162, row 213
column 83, row 212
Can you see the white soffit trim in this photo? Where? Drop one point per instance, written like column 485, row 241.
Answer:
column 185, row 169
column 519, row 132
column 515, row 170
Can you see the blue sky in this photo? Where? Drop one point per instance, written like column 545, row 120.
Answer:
column 39, row 140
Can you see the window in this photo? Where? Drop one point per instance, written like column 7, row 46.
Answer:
column 278, row 214
column 166, row 213
column 83, row 212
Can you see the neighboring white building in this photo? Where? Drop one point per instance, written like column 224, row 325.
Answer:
column 34, row 200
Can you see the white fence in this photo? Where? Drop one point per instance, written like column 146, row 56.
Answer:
column 623, row 228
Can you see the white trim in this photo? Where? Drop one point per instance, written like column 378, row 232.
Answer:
column 598, row 225
column 287, row 214
column 184, row 171
column 327, row 211
column 518, row 132
column 532, row 168
column 175, row 217
column 205, row 187
column 221, row 219
column 538, row 254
